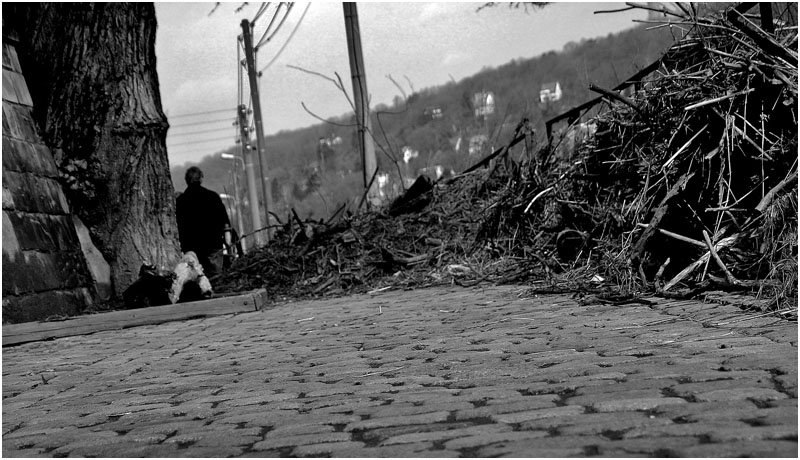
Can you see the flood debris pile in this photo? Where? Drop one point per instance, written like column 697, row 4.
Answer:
column 424, row 240
column 689, row 184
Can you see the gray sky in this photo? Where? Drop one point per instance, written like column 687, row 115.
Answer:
column 425, row 42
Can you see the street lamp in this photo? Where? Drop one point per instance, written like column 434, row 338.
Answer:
column 236, row 201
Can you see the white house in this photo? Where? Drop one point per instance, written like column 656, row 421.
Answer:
column 483, row 103
column 477, row 144
column 550, row 92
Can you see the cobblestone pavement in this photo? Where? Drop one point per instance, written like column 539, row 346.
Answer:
column 429, row 373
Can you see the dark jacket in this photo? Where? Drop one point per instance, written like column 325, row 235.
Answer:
column 201, row 220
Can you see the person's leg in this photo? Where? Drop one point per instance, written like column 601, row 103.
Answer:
column 212, row 263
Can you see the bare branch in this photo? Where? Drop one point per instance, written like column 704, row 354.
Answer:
column 410, row 85
column 400, row 88
column 347, row 125
column 525, row 5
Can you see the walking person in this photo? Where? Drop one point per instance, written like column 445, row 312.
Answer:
column 202, row 220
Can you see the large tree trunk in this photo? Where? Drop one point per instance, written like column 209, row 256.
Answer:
column 91, row 68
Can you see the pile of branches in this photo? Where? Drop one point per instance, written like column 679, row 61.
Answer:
column 425, row 238
column 689, row 184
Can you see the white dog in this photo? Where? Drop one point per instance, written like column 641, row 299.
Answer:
column 189, row 270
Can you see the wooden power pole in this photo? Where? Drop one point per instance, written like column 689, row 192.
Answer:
column 249, row 55
column 360, row 94
column 249, row 167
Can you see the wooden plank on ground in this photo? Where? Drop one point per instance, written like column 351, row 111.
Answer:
column 14, row 334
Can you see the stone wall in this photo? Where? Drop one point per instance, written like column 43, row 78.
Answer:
column 45, row 270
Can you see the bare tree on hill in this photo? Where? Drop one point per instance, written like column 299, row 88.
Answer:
column 91, row 70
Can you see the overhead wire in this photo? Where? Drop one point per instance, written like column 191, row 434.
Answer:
column 297, row 26
column 278, row 27
column 204, row 122
column 199, row 141
column 199, row 132
column 269, row 26
column 183, row 115
column 261, row 9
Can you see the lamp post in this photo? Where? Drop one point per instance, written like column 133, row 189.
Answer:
column 236, row 201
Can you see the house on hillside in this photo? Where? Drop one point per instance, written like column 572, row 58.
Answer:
column 477, row 144
column 433, row 113
column 483, row 104
column 550, row 92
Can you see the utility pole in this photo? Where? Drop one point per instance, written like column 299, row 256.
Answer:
column 249, row 55
column 360, row 95
column 247, row 154
column 236, row 198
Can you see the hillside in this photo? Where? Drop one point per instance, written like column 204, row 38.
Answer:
column 316, row 169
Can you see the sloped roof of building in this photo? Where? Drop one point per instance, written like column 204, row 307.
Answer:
column 549, row 86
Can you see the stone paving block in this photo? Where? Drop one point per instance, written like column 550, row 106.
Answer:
column 325, row 449
column 633, row 386
column 194, row 452
column 256, row 400
column 672, row 446
column 485, row 439
column 397, row 451
column 167, row 428
column 508, row 451
column 432, row 417
column 593, row 395
column 445, row 434
column 618, row 405
column 747, row 433
column 353, row 406
column 690, row 389
column 534, row 444
column 788, row 384
column 733, row 394
column 23, row 453
column 239, row 437
column 396, row 409
column 121, row 449
column 525, row 416
column 297, row 429
column 709, row 411
column 757, row 449
column 785, row 415
column 615, row 423
column 684, row 429
column 485, row 393
column 428, row 395
column 506, row 406
column 300, row 440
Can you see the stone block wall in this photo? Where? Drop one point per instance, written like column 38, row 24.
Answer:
column 45, row 272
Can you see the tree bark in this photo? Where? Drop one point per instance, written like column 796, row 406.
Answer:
column 91, row 70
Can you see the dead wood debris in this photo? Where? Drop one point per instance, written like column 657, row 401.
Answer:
column 688, row 185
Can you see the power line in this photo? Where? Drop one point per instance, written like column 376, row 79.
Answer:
column 201, row 141
column 269, row 26
column 201, row 113
column 194, row 123
column 261, row 10
column 287, row 40
column 200, row 132
column 278, row 27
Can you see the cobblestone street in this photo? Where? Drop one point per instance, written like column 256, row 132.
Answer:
column 442, row 372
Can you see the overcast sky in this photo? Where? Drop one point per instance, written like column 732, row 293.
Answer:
column 419, row 44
